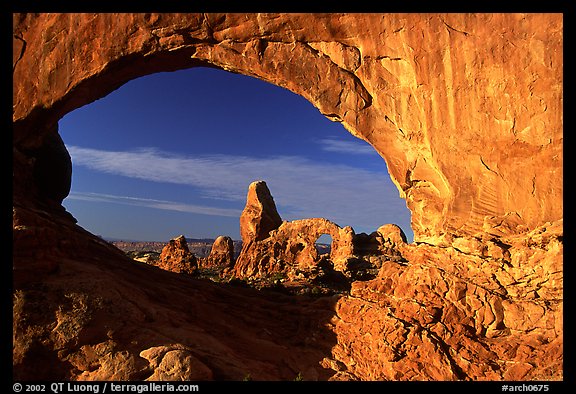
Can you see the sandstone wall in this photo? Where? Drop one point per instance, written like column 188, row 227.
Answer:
column 466, row 109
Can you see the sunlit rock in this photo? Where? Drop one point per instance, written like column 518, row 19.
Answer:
column 176, row 257
column 467, row 111
column 259, row 216
column 221, row 255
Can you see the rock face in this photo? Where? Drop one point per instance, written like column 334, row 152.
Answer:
column 176, row 257
column 487, row 316
column 466, row 109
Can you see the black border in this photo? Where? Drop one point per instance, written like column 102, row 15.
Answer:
column 548, row 6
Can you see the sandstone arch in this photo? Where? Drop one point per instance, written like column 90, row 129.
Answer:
column 467, row 111
column 469, row 148
column 292, row 246
column 311, row 229
column 271, row 245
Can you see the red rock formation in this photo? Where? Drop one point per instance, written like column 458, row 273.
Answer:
column 221, row 255
column 176, row 257
column 259, row 216
column 292, row 248
column 392, row 233
column 466, row 109
column 382, row 244
column 466, row 316
column 175, row 363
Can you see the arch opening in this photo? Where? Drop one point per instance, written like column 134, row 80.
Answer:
column 294, row 155
column 324, row 244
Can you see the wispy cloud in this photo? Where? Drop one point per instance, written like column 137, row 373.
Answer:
column 156, row 204
column 301, row 187
column 340, row 146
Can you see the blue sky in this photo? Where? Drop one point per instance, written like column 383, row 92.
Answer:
column 174, row 153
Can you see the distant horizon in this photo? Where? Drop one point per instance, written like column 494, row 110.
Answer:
column 323, row 240
column 108, row 239
column 173, row 154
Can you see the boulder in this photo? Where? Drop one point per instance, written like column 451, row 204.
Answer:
column 175, row 363
column 392, row 233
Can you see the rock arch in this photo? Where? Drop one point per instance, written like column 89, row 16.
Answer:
column 271, row 245
column 309, row 230
column 466, row 110
column 471, row 149
column 292, row 246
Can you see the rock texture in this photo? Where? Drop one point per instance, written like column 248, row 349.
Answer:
column 444, row 314
column 176, row 257
column 175, row 363
column 466, row 109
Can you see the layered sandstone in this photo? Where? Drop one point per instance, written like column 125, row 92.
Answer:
column 466, row 109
